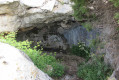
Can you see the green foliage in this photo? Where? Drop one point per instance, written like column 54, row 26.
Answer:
column 96, row 70
column 88, row 26
column 94, row 43
column 58, row 70
column 40, row 59
column 116, row 16
column 81, row 50
column 80, row 9
column 115, row 2
column 117, row 29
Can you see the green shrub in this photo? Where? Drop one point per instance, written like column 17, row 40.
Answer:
column 40, row 59
column 80, row 9
column 58, row 70
column 95, row 70
column 115, row 2
column 81, row 50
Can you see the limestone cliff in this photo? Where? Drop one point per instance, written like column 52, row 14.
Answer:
column 15, row 14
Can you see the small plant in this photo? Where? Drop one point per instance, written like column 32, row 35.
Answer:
column 61, row 2
column 80, row 9
column 117, row 17
column 58, row 70
column 115, row 2
column 88, row 26
column 94, row 43
column 117, row 28
column 95, row 70
column 40, row 59
column 81, row 50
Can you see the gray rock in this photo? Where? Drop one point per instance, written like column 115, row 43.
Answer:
column 15, row 14
column 16, row 65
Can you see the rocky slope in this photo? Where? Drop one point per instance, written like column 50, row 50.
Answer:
column 105, row 21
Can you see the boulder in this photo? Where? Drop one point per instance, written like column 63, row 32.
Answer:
column 16, row 14
column 16, row 65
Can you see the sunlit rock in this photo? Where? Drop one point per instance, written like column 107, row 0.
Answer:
column 15, row 14
column 16, row 65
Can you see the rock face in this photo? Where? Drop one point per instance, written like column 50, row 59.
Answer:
column 15, row 14
column 58, row 38
column 49, row 38
column 15, row 65
column 110, row 35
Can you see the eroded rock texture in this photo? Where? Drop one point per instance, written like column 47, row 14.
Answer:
column 15, row 14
